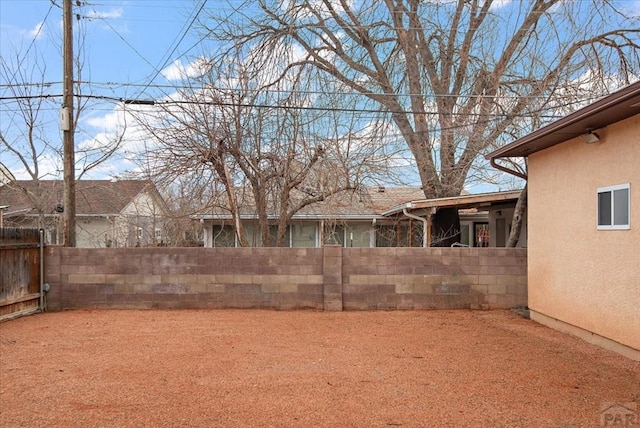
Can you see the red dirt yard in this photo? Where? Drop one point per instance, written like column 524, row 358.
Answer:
column 229, row 368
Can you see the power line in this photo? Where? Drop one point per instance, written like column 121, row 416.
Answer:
column 29, row 97
column 149, row 102
column 126, row 42
column 481, row 118
column 175, row 47
column 26, row 84
column 234, row 11
column 110, row 85
column 33, row 40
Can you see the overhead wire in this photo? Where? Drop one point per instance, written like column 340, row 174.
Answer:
column 158, row 70
column 176, row 44
column 201, row 39
column 33, row 40
column 106, row 21
column 147, row 102
column 113, row 85
column 481, row 119
column 150, row 102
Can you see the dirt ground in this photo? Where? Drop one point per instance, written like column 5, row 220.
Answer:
column 267, row 368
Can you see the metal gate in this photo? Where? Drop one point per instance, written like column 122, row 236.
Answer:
column 21, row 272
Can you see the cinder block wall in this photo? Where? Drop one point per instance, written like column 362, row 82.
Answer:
column 434, row 278
column 329, row 278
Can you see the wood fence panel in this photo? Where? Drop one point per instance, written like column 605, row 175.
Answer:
column 19, row 272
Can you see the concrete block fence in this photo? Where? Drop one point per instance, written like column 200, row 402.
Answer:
column 329, row 278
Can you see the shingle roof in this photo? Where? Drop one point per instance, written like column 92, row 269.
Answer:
column 371, row 202
column 366, row 203
column 93, row 197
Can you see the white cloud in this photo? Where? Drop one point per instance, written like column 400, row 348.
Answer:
column 123, row 127
column 116, row 128
column 177, row 70
column 36, row 32
column 499, row 4
column 109, row 122
column 49, row 167
column 113, row 13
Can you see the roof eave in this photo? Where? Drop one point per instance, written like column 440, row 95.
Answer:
column 368, row 217
column 464, row 201
column 522, row 147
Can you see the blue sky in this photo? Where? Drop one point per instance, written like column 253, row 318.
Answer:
column 125, row 41
column 128, row 48
column 131, row 48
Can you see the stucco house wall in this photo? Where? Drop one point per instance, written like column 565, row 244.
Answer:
column 579, row 275
column 142, row 205
column 93, row 232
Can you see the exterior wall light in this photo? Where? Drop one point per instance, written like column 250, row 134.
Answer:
column 590, row 137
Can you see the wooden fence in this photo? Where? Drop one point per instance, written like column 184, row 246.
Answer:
column 20, row 272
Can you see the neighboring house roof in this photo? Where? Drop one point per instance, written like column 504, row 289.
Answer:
column 479, row 201
column 378, row 203
column 613, row 108
column 93, row 197
column 363, row 204
column 370, row 203
column 5, row 175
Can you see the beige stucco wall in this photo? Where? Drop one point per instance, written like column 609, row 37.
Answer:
column 91, row 231
column 143, row 205
column 577, row 274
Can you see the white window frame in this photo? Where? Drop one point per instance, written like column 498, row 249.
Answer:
column 611, row 189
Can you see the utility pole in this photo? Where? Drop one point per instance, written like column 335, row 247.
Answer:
column 68, row 129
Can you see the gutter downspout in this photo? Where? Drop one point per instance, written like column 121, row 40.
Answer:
column 372, row 233
column 507, row 170
column 41, row 245
column 425, row 226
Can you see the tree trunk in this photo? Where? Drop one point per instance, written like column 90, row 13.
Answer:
column 518, row 217
column 233, row 204
column 446, row 227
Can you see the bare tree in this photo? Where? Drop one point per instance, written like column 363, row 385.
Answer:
column 185, row 197
column 253, row 138
column 454, row 77
column 24, row 136
column 30, row 142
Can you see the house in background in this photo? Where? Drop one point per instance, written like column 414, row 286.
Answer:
column 584, row 221
column 485, row 219
column 351, row 219
column 372, row 217
column 109, row 213
column 5, row 175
